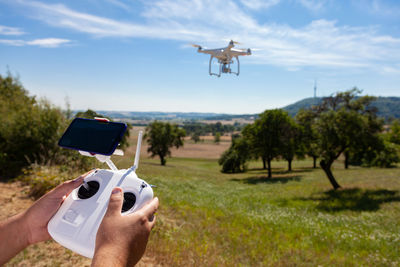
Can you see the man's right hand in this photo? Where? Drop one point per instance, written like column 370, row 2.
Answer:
column 121, row 240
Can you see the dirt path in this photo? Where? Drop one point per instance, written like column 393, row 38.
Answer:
column 13, row 200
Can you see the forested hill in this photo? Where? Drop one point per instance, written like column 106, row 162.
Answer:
column 388, row 107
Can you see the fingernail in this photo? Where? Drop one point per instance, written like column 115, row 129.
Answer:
column 116, row 191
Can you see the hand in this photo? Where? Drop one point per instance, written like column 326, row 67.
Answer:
column 121, row 240
column 29, row 227
column 38, row 215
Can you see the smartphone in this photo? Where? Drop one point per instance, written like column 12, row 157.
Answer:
column 99, row 137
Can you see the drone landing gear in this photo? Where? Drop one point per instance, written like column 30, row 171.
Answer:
column 224, row 67
column 210, row 71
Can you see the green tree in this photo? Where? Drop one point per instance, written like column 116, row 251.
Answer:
column 291, row 141
column 265, row 135
column 163, row 136
column 308, row 137
column 29, row 129
column 393, row 135
column 344, row 123
column 234, row 159
column 195, row 137
column 217, row 137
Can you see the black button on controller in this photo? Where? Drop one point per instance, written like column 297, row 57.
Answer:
column 129, row 201
column 84, row 193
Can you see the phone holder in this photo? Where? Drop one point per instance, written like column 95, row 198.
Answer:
column 75, row 224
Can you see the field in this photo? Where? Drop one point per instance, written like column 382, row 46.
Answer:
column 207, row 218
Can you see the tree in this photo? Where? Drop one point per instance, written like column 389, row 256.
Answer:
column 393, row 135
column 195, row 137
column 29, row 129
column 234, row 159
column 217, row 137
column 161, row 137
column 308, row 136
column 265, row 135
column 290, row 141
column 344, row 122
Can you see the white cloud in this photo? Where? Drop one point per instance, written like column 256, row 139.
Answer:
column 259, row 4
column 321, row 43
column 5, row 30
column 12, row 42
column 46, row 42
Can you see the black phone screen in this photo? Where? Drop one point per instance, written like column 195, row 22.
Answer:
column 93, row 136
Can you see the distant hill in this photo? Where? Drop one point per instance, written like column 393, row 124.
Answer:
column 388, row 107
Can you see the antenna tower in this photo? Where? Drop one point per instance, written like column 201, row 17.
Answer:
column 315, row 88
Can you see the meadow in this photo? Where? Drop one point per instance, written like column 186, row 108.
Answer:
column 208, row 218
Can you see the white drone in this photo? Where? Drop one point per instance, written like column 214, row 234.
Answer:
column 224, row 56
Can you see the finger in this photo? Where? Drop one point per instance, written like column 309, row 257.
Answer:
column 116, row 201
column 150, row 208
column 66, row 187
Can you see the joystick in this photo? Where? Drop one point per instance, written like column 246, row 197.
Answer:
column 75, row 224
column 91, row 190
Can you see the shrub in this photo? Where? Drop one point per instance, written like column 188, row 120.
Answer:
column 234, row 159
column 29, row 131
column 42, row 179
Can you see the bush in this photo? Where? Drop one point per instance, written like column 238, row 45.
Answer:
column 42, row 179
column 386, row 157
column 29, row 131
column 234, row 159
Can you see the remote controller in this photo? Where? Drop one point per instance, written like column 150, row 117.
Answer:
column 75, row 224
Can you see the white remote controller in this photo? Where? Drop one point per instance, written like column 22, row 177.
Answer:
column 75, row 224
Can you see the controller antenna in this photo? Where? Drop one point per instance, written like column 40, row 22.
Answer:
column 137, row 155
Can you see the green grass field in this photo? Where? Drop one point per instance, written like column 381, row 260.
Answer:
column 207, row 218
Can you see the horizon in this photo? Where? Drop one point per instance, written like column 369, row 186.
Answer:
column 216, row 113
column 135, row 55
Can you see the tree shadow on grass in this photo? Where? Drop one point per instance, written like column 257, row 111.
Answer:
column 353, row 199
column 266, row 180
column 282, row 170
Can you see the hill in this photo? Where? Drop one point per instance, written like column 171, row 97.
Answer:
column 388, row 107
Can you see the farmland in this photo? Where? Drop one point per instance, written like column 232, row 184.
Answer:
column 207, row 218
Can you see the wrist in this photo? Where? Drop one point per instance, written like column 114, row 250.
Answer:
column 22, row 226
column 22, row 223
column 108, row 255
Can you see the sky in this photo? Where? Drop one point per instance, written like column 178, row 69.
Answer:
column 135, row 55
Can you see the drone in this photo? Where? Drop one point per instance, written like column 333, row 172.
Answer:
column 225, row 57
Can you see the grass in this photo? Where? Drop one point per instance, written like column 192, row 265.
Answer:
column 207, row 218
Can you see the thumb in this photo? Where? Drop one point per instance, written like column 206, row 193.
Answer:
column 116, row 201
column 65, row 188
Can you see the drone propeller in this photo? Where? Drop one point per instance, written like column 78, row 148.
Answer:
column 196, row 45
column 233, row 42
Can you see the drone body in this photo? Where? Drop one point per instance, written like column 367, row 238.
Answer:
column 225, row 57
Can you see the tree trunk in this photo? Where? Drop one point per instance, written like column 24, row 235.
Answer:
column 289, row 165
column 326, row 166
column 162, row 159
column 346, row 160
column 264, row 163
column 269, row 169
column 315, row 162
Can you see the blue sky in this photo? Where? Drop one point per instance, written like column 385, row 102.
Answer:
column 133, row 55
